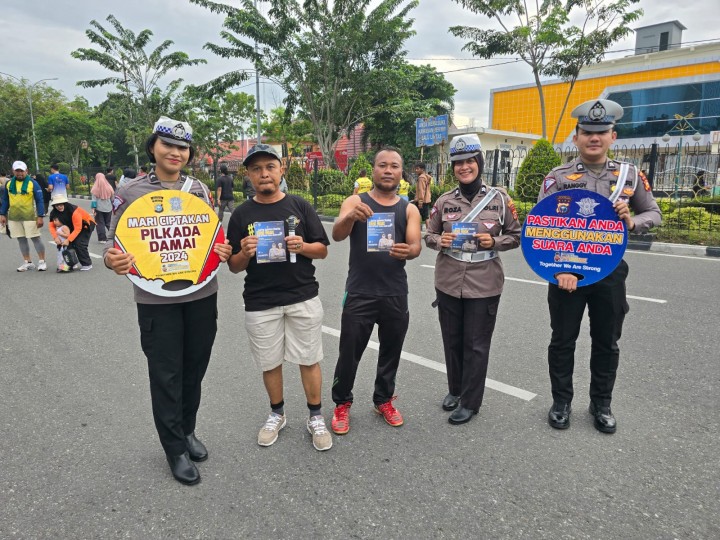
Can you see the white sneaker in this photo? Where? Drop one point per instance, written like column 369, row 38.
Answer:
column 86, row 268
column 42, row 266
column 321, row 438
column 269, row 432
column 27, row 265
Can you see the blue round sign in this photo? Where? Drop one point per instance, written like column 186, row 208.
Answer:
column 574, row 231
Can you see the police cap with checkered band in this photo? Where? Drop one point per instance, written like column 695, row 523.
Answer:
column 173, row 131
column 464, row 147
column 597, row 114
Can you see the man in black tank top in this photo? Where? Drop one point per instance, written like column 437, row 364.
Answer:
column 376, row 288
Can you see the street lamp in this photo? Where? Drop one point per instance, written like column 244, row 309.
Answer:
column 32, row 118
column 681, row 127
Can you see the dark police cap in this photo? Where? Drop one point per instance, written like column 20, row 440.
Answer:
column 597, row 114
column 261, row 149
column 173, row 131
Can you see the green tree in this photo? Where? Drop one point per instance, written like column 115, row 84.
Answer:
column 133, row 70
column 71, row 134
column 540, row 160
column 415, row 92
column 325, row 56
column 603, row 24
column 15, row 131
column 218, row 121
column 544, row 38
column 294, row 132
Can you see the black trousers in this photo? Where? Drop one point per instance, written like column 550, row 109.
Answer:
column 177, row 340
column 102, row 219
column 80, row 244
column 607, row 306
column 467, row 326
column 360, row 314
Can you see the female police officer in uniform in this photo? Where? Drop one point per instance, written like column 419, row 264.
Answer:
column 177, row 333
column 469, row 284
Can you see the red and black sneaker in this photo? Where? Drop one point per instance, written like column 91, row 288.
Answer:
column 341, row 418
column 391, row 415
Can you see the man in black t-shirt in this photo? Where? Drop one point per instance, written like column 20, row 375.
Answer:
column 225, row 198
column 376, row 288
column 283, row 313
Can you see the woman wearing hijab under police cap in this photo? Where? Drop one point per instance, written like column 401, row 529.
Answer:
column 469, row 275
column 176, row 333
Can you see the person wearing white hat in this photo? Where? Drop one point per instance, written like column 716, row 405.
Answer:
column 176, row 333
column 469, row 281
column 606, row 300
column 22, row 209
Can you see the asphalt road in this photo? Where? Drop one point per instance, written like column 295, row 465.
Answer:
column 80, row 457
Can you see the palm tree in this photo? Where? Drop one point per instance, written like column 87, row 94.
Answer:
column 135, row 72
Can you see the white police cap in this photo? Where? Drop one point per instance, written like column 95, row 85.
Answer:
column 173, row 131
column 464, row 147
column 597, row 114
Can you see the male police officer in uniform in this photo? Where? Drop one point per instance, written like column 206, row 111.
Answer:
column 605, row 299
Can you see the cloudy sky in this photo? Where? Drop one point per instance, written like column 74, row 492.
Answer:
column 40, row 34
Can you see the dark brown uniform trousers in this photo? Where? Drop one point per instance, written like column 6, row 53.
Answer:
column 467, row 325
column 607, row 306
column 177, row 340
column 359, row 316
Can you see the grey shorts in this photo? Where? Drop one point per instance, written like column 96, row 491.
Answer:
column 286, row 334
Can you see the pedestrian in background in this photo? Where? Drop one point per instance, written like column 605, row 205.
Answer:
column 43, row 183
column 22, row 211
column 102, row 194
column 176, row 333
column 469, row 282
column 57, row 182
column 225, row 198
column 81, row 225
column 111, row 178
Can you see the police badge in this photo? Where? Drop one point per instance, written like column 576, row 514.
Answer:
column 563, row 204
column 158, row 203
column 176, row 204
column 587, row 207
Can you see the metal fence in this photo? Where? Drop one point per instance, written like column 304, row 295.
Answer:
column 684, row 180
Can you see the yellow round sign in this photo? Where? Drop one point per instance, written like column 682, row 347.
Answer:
column 171, row 234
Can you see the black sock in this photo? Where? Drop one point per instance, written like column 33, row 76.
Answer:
column 315, row 410
column 278, row 408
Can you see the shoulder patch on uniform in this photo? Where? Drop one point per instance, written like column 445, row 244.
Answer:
column 573, row 177
column 117, row 203
column 433, row 211
column 548, row 183
column 511, row 206
column 645, row 181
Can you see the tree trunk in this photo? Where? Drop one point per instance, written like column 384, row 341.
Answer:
column 541, row 95
column 562, row 111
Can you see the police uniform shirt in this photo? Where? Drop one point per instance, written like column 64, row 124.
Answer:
column 124, row 197
column 499, row 218
column 636, row 188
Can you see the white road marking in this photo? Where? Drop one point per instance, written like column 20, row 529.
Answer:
column 437, row 366
column 659, row 254
column 532, row 282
